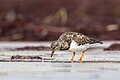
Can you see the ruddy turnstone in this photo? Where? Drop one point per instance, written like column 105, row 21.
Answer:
column 74, row 42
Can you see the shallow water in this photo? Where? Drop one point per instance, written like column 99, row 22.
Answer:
column 58, row 71
column 97, row 64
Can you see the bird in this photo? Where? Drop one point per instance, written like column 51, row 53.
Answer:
column 73, row 42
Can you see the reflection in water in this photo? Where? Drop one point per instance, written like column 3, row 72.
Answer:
column 56, row 71
column 95, row 76
column 61, row 70
column 81, row 67
column 108, row 69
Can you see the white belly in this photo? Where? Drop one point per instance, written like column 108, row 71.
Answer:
column 75, row 48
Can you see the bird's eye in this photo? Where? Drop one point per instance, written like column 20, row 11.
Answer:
column 53, row 47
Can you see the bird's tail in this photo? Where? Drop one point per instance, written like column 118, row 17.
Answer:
column 92, row 41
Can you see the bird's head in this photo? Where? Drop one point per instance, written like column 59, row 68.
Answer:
column 54, row 46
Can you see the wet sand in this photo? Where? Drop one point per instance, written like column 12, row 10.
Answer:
column 97, row 64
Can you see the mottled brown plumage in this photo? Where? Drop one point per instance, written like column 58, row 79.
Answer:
column 65, row 40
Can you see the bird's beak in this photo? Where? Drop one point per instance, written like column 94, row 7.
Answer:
column 52, row 52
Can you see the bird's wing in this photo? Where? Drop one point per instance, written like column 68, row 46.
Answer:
column 80, row 39
column 92, row 41
column 66, row 38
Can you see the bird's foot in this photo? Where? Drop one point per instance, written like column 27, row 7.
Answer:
column 72, row 60
column 80, row 60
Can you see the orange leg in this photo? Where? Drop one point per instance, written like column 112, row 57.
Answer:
column 80, row 60
column 73, row 57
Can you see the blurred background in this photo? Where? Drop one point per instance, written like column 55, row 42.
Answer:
column 46, row 20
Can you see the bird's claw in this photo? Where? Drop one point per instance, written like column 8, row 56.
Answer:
column 72, row 60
